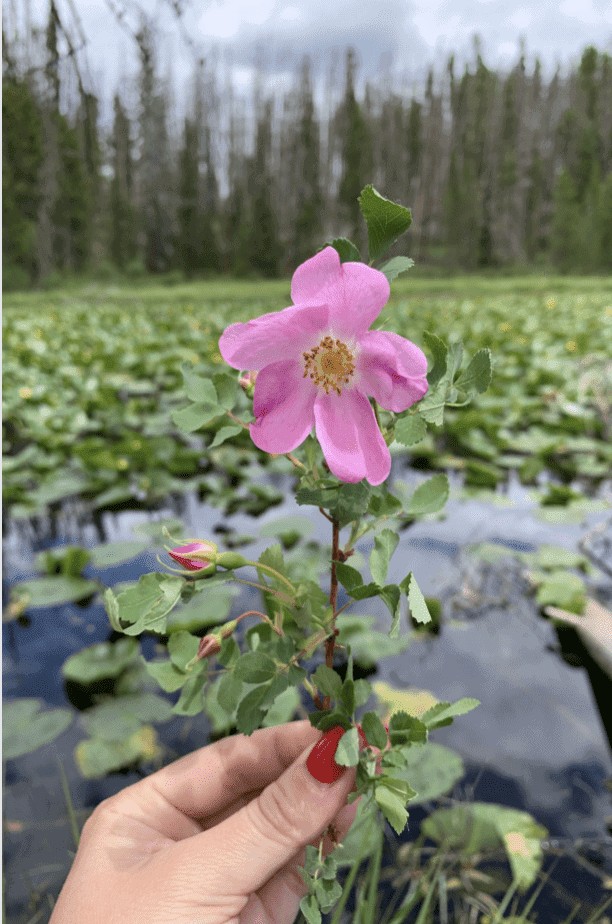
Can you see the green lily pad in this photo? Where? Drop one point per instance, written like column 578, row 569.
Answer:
column 26, row 726
column 104, row 660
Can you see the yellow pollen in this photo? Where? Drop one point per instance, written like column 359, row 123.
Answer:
column 330, row 365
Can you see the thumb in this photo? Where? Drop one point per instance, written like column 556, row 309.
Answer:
column 250, row 846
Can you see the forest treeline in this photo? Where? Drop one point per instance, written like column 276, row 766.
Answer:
column 499, row 169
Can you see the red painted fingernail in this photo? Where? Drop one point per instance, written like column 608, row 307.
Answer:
column 321, row 764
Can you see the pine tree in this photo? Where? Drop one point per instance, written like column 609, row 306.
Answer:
column 122, row 216
column 307, row 218
column 189, row 213
column 356, row 155
column 566, row 235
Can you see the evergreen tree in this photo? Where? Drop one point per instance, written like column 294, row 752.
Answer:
column 566, row 236
column 307, row 219
column 262, row 248
column 356, row 157
column 122, row 217
column 189, row 213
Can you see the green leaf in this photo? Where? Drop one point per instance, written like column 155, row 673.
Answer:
column 199, row 389
column 391, row 594
column 392, row 807
column 283, row 708
column 226, row 387
column 96, row 757
column 121, row 716
column 349, row 577
column 194, row 416
column 191, row 700
column 327, row 681
column 430, row 496
column 385, row 544
column 476, row 377
column 182, row 648
column 410, row 429
column 368, row 645
column 439, row 351
column 115, row 553
column 228, row 692
column 167, row 674
column 363, row 691
column 396, row 266
column 54, row 591
column 374, row 730
column 432, row 770
column 309, row 907
column 386, row 221
column 69, row 560
column 562, row 589
column 352, row 502
column 347, row 251
column 416, row 601
column 431, row 407
column 144, row 607
column 255, row 667
column 26, row 726
column 406, row 729
column 225, row 433
column 347, row 752
column 444, row 713
column 104, row 660
column 209, row 607
column 365, row 591
column 250, row 711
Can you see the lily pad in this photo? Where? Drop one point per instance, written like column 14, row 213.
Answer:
column 104, row 660
column 26, row 726
column 54, row 591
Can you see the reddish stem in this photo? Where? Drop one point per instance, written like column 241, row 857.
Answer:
column 330, row 642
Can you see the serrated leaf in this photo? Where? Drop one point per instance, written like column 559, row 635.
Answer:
column 191, row 418
column 349, row 577
column 416, row 601
column 351, row 502
column 191, row 700
column 225, row 433
column 374, row 730
column 476, row 377
column 228, row 692
column 431, row 407
column 144, row 607
column 444, row 713
column 182, row 648
column 385, row 544
column 406, row 729
column 396, row 266
column 392, row 807
column 327, row 681
column 439, row 351
column 250, row 711
column 430, row 496
column 347, row 251
column 309, row 907
column 347, row 752
column 168, row 675
column 255, row 667
column 386, row 221
column 198, row 389
column 226, row 388
column 410, row 429
column 390, row 595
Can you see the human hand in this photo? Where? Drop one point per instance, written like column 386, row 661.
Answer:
column 214, row 838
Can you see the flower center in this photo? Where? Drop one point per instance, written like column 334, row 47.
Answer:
column 330, row 365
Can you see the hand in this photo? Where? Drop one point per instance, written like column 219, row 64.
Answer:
column 214, row 838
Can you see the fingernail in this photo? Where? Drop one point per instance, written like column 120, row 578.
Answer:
column 321, row 764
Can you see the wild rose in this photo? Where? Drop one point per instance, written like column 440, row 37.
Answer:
column 318, row 364
column 194, row 555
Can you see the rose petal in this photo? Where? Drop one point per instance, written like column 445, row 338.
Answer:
column 351, row 441
column 272, row 337
column 354, row 292
column 283, row 407
column 391, row 369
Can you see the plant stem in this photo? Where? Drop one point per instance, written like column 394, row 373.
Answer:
column 330, row 642
column 237, row 420
column 261, row 616
column 295, row 462
column 273, row 572
column 284, row 598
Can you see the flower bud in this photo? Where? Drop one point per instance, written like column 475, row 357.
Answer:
column 194, row 556
column 210, row 644
column 246, row 381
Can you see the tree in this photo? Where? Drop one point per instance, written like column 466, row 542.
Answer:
column 122, row 216
column 356, row 157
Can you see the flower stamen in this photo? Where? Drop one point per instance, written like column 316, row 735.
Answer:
column 330, row 365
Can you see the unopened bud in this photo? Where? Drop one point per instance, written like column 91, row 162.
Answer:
column 196, row 555
column 210, row 644
column 246, row 381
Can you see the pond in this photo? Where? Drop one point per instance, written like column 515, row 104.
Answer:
column 537, row 742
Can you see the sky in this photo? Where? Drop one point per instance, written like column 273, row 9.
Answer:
column 388, row 35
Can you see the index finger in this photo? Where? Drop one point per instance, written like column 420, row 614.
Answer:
column 211, row 778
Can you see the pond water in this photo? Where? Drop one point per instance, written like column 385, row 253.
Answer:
column 537, row 742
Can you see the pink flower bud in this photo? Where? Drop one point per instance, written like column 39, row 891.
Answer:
column 246, row 380
column 209, row 646
column 194, row 555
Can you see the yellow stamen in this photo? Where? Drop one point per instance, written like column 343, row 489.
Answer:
column 330, row 365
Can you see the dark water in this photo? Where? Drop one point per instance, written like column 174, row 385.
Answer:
column 537, row 742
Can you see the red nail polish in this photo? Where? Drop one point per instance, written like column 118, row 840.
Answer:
column 321, row 763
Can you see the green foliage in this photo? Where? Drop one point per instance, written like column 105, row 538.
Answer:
column 26, row 726
column 144, row 607
column 53, row 591
column 102, row 661
column 386, row 222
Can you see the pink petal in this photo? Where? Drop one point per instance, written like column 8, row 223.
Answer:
column 180, row 554
column 283, row 407
column 351, row 441
column 272, row 337
column 391, row 369
column 354, row 292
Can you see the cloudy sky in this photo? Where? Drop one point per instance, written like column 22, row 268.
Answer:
column 406, row 35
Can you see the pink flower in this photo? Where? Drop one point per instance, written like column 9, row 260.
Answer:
column 195, row 555
column 318, row 364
